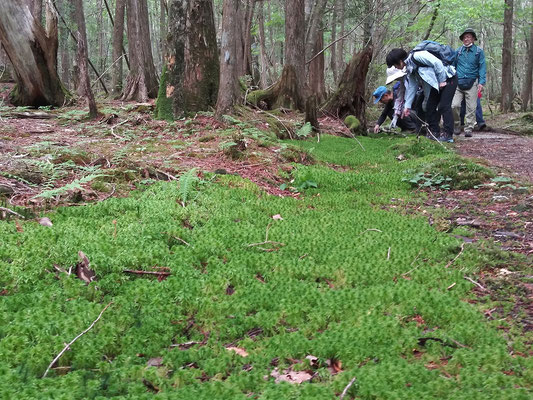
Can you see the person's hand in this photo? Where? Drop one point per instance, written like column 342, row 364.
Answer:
column 479, row 87
column 376, row 129
column 406, row 112
column 442, row 84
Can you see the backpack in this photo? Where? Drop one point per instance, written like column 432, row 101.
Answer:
column 442, row 51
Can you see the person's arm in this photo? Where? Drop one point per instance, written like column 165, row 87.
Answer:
column 385, row 113
column 482, row 69
column 410, row 92
column 429, row 60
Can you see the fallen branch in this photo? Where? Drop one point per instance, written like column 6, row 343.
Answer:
column 67, row 347
column 371, row 230
column 141, row 272
column 267, row 242
column 475, row 283
column 456, row 257
column 11, row 212
column 348, row 386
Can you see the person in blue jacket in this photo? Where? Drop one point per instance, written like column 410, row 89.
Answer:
column 438, row 82
column 472, row 76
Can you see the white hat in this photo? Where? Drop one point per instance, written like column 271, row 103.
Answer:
column 394, row 73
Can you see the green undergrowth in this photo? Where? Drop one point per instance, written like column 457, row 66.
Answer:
column 334, row 275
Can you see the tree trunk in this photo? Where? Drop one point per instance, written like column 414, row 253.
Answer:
column 118, row 39
column 350, row 97
column 432, row 22
column 368, row 22
column 191, row 73
column 246, row 64
column 228, row 91
column 64, row 45
column 37, row 9
column 141, row 83
column 527, row 90
column 340, row 44
column 507, row 58
column 313, row 28
column 333, row 47
column 32, row 55
column 317, row 82
column 264, row 77
column 290, row 91
column 162, row 27
column 84, row 87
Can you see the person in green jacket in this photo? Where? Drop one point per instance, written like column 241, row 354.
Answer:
column 472, row 76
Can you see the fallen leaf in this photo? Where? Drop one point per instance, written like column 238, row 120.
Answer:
column 82, row 269
column 45, row 221
column 238, row 350
column 294, row 377
column 277, row 217
column 155, row 362
column 18, row 226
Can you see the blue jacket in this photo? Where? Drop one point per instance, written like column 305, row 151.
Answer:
column 428, row 71
column 470, row 63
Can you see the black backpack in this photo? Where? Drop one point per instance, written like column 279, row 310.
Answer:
column 442, row 51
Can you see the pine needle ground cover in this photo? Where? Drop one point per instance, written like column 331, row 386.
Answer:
column 333, row 284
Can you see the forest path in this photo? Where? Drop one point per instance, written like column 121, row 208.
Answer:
column 513, row 153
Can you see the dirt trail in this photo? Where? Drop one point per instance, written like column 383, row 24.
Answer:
column 513, row 153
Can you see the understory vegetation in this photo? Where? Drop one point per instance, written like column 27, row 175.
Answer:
column 248, row 288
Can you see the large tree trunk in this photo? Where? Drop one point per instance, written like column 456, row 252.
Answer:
column 333, row 47
column 527, row 90
column 317, row 83
column 350, row 97
column 33, row 56
column 291, row 90
column 84, row 87
column 191, row 75
column 228, row 91
column 141, row 83
column 118, row 40
column 507, row 58
column 246, row 63
column 264, row 77
column 64, row 45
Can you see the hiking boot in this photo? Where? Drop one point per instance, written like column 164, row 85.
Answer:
column 482, row 127
column 457, row 131
column 446, row 139
column 468, row 134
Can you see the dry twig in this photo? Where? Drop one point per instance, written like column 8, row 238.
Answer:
column 7, row 210
column 279, row 244
column 456, row 257
column 141, row 272
column 348, row 386
column 475, row 283
column 67, row 347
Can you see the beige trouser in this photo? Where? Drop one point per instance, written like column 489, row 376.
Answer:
column 470, row 97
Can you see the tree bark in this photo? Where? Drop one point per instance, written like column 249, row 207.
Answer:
column 64, row 46
column 264, row 63
column 246, row 64
column 333, row 47
column 507, row 58
column 84, row 87
column 316, row 80
column 349, row 99
column 527, row 90
column 228, row 91
column 432, row 22
column 340, row 44
column 33, row 56
column 118, row 40
column 141, row 83
column 191, row 74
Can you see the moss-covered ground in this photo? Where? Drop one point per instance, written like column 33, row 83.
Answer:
column 257, row 283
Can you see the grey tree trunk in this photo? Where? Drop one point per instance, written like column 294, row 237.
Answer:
column 33, row 56
column 118, row 40
column 507, row 58
column 141, row 83
column 333, row 48
column 64, row 45
column 340, row 44
column 84, row 87
column 527, row 90
column 264, row 62
column 228, row 90
column 246, row 64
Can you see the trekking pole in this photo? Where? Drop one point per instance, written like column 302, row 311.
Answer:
column 426, row 125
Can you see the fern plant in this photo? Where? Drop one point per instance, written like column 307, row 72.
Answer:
column 187, row 184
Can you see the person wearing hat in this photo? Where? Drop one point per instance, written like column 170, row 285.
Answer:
column 393, row 101
column 471, row 73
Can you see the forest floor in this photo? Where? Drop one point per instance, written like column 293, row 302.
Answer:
column 58, row 158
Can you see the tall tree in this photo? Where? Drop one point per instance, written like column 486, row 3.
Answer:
column 62, row 5
column 507, row 58
column 191, row 75
column 141, row 83
column 33, row 55
column 228, row 90
column 527, row 90
column 264, row 61
column 84, row 87
column 118, row 40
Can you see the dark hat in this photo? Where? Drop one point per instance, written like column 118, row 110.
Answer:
column 468, row 30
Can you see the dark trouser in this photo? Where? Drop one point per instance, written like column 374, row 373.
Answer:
column 479, row 113
column 440, row 105
column 408, row 123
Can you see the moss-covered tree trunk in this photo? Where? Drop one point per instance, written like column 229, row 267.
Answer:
column 191, row 77
column 349, row 99
column 33, row 55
